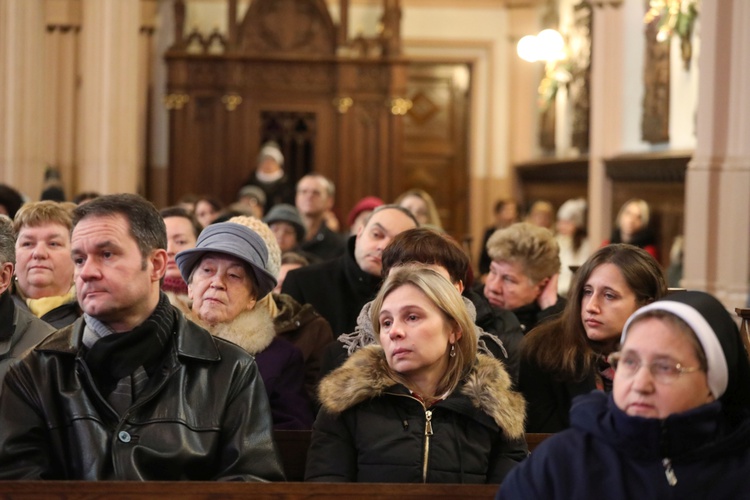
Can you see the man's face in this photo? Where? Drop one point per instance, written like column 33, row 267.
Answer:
column 375, row 236
column 114, row 283
column 312, row 197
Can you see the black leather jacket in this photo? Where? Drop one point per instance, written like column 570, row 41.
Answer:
column 204, row 416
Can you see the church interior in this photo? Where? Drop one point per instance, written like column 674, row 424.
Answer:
column 629, row 99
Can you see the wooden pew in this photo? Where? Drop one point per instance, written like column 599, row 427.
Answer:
column 85, row 490
column 293, row 446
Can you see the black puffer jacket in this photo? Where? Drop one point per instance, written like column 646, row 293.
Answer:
column 204, row 416
column 372, row 429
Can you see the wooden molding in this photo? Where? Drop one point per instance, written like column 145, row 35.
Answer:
column 648, row 167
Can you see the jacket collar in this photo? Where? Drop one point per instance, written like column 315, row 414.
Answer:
column 192, row 341
column 252, row 330
column 487, row 388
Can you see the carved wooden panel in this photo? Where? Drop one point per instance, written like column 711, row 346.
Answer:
column 296, row 135
column 436, row 138
column 655, row 115
column 287, row 26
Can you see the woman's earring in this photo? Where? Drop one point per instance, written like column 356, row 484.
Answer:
column 453, row 351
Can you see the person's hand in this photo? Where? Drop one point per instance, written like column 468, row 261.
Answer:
column 548, row 297
column 331, row 221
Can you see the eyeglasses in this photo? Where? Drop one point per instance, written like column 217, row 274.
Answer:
column 663, row 371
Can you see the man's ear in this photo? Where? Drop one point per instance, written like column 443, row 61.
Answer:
column 6, row 276
column 159, row 261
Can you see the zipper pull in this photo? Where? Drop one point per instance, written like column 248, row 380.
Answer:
column 428, row 425
column 669, row 472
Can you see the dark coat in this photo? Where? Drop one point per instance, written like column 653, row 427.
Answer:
column 59, row 317
column 325, row 245
column 337, row 289
column 608, row 454
column 308, row 331
column 504, row 325
column 279, row 191
column 279, row 362
column 548, row 397
column 531, row 315
column 372, row 429
column 205, row 416
column 19, row 332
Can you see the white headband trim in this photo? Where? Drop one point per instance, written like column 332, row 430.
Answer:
column 718, row 370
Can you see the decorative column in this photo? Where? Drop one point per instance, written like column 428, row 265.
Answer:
column 22, row 96
column 607, row 77
column 717, row 198
column 108, row 129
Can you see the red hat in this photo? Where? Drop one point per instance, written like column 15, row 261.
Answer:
column 366, row 203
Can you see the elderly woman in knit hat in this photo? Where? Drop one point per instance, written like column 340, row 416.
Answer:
column 227, row 281
column 297, row 323
column 676, row 424
column 571, row 237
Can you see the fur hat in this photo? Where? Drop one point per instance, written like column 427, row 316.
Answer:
column 728, row 366
column 232, row 239
column 573, row 210
column 284, row 212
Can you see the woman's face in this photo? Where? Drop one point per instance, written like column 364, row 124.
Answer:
column 606, row 303
column 205, row 213
column 631, row 220
column 415, row 335
column 418, row 207
column 286, row 235
column 44, row 267
column 653, row 343
column 565, row 227
column 508, row 287
column 180, row 236
column 221, row 289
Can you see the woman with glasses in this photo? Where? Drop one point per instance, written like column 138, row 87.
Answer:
column 566, row 357
column 676, row 424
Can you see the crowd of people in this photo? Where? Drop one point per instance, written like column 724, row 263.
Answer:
column 139, row 344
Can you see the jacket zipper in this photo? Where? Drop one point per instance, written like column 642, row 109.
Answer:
column 427, row 434
column 669, row 471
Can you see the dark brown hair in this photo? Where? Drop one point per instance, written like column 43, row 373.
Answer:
column 426, row 246
column 561, row 345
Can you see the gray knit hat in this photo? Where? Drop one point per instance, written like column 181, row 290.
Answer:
column 284, row 212
column 235, row 240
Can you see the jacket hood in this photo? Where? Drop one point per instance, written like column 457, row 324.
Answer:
column 365, row 375
column 252, row 330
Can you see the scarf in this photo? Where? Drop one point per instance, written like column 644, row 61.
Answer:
column 174, row 285
column 40, row 307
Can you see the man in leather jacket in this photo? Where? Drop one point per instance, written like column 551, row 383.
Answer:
column 132, row 390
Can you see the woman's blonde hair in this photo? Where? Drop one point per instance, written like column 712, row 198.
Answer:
column 38, row 213
column 642, row 206
column 534, row 247
column 446, row 298
column 433, row 216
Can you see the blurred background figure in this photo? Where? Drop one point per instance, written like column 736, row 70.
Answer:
column 10, row 201
column 632, row 227
column 182, row 233
column 420, row 203
column 571, row 237
column 360, row 212
column 188, row 202
column 314, row 201
column 252, row 200
column 289, row 262
column 542, row 214
column 52, row 189
column 270, row 177
column 505, row 214
column 287, row 226
column 44, row 267
column 207, row 209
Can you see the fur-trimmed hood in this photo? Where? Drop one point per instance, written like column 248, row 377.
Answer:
column 252, row 330
column 365, row 375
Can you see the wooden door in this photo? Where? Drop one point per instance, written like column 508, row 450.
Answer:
column 436, row 140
